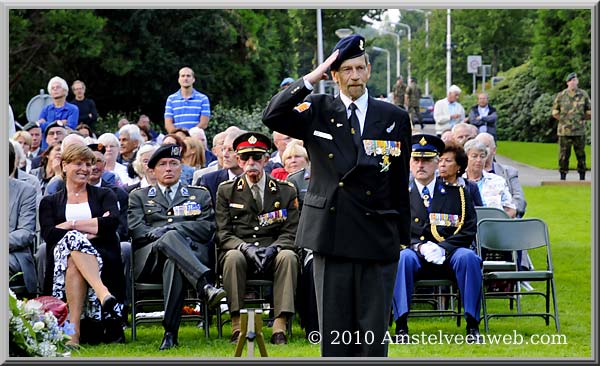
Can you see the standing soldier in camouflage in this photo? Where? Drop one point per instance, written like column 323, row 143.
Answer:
column 411, row 100
column 399, row 91
column 572, row 107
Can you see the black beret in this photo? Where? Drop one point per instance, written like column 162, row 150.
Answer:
column 571, row 76
column 426, row 146
column 97, row 147
column 165, row 151
column 412, row 78
column 53, row 124
column 251, row 142
column 350, row 47
column 30, row 125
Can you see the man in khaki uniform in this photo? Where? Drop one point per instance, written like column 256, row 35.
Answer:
column 257, row 219
column 572, row 107
column 399, row 90
column 411, row 100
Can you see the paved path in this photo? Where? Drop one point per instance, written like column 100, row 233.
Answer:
column 530, row 175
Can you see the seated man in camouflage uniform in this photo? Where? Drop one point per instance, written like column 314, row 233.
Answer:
column 257, row 218
column 171, row 225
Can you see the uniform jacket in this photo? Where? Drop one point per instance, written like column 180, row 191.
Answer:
column 238, row 216
column 446, row 200
column 212, row 180
column 571, row 112
column 21, row 228
column 352, row 208
column 52, row 213
column 149, row 209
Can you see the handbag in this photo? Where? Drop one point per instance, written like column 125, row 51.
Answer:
column 55, row 306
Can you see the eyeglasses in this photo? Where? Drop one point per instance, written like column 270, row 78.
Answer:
column 255, row 156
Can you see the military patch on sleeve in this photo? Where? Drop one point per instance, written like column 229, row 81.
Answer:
column 302, row 107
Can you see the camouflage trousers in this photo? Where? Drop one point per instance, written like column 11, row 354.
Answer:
column 415, row 115
column 564, row 152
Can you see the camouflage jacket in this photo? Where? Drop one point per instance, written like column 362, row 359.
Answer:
column 414, row 95
column 399, row 94
column 571, row 110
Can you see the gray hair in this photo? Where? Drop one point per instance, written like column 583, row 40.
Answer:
column 72, row 139
column 109, row 139
column 477, row 145
column 61, row 81
column 487, row 137
column 138, row 166
column 134, row 133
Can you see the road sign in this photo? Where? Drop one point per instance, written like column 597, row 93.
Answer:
column 473, row 62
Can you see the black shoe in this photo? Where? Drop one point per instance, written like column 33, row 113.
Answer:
column 563, row 176
column 279, row 338
column 235, row 336
column 473, row 335
column 214, row 295
column 402, row 336
column 108, row 305
column 582, row 176
column 169, row 341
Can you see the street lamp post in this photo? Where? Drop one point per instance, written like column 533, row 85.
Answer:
column 427, row 14
column 397, row 49
column 379, row 49
column 448, row 51
column 320, row 47
column 409, row 43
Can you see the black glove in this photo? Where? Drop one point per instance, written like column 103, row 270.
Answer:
column 253, row 254
column 157, row 232
column 269, row 254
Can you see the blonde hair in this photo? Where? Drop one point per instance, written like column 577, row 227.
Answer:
column 25, row 135
column 76, row 152
column 294, row 147
column 198, row 159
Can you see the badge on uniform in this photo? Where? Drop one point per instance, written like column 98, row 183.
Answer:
column 184, row 192
column 272, row 217
column 152, row 192
column 384, row 148
column 188, row 208
column 441, row 219
column 236, row 205
column 302, row 107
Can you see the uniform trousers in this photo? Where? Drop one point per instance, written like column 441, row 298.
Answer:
column 173, row 259
column 564, row 153
column 284, row 272
column 464, row 263
column 354, row 299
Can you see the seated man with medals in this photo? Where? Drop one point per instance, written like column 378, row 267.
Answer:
column 443, row 226
column 172, row 225
column 257, row 219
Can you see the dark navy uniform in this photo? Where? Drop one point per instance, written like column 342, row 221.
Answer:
column 356, row 211
column 447, row 219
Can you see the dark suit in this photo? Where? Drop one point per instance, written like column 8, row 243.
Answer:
column 238, row 222
column 181, row 252
column 100, row 200
column 212, row 180
column 21, row 232
column 461, row 262
column 355, row 216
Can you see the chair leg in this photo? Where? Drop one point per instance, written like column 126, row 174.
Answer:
column 133, row 313
column 206, row 311
column 484, row 307
column 547, row 302
column 556, row 322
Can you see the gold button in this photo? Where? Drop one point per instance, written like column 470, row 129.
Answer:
column 368, row 193
column 235, row 217
column 149, row 211
column 416, row 219
column 422, row 237
column 170, row 219
column 330, row 156
column 254, row 235
column 256, row 228
column 169, row 213
column 332, row 120
column 255, row 244
column 332, row 209
column 340, row 184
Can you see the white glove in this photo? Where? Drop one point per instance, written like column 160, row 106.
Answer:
column 433, row 253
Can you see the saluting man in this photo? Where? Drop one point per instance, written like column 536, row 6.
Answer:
column 442, row 230
column 257, row 219
column 356, row 212
column 172, row 224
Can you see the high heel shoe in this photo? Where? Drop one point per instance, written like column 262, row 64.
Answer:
column 108, row 305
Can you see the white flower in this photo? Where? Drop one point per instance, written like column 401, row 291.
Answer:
column 38, row 326
column 32, row 306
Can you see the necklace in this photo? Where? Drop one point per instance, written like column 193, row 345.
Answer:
column 77, row 193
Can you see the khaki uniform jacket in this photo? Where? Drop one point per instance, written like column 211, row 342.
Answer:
column 238, row 215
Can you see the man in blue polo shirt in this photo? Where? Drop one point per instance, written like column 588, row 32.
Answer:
column 187, row 107
column 60, row 111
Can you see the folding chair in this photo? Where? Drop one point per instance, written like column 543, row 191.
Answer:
column 511, row 235
column 155, row 303
column 445, row 299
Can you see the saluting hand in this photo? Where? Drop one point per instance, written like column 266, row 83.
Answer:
column 320, row 73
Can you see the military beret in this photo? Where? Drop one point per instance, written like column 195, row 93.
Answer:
column 97, row 147
column 30, row 125
column 285, row 82
column 165, row 151
column 571, row 76
column 350, row 47
column 250, row 142
column 426, row 146
column 53, row 124
column 412, row 78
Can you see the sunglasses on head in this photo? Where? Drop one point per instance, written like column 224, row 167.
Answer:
column 256, row 156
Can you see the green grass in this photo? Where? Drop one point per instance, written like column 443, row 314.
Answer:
column 567, row 212
column 541, row 155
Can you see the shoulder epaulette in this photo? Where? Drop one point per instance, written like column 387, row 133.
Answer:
column 199, row 187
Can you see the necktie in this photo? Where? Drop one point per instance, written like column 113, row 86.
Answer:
column 354, row 124
column 168, row 195
column 257, row 197
column 426, row 197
